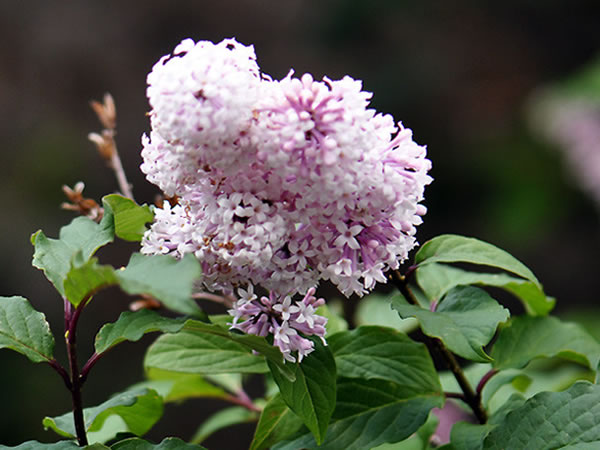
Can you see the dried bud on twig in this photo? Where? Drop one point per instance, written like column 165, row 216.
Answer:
column 77, row 202
column 105, row 144
column 106, row 111
column 105, row 141
column 159, row 200
column 146, row 302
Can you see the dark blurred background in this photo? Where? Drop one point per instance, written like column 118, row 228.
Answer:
column 461, row 74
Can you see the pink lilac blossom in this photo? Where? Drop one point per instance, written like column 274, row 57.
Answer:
column 280, row 184
column 283, row 319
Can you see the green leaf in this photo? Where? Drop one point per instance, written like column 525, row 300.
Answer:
column 369, row 413
column 376, row 310
column 138, row 410
column 255, row 343
column 539, row 376
column 513, row 402
column 204, row 350
column 465, row 320
column 312, row 394
column 60, row 445
column 277, row 422
column 131, row 326
column 167, row 444
column 25, row 330
column 551, row 420
column 525, row 338
column 164, row 278
column 176, row 386
column 469, row 436
column 516, row 377
column 81, row 238
column 224, row 418
column 231, row 382
column 437, row 279
column 86, row 279
column 376, row 352
column 420, row 440
column 450, row 248
column 130, row 218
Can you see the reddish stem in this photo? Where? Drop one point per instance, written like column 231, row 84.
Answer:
column 71, row 319
column 242, row 399
column 88, row 365
column 484, row 380
column 61, row 371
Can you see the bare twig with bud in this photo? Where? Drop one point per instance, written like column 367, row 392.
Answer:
column 78, row 203
column 105, row 141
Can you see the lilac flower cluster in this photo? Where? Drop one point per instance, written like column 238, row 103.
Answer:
column 280, row 183
column 281, row 318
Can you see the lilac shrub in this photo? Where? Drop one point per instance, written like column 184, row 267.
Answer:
column 272, row 186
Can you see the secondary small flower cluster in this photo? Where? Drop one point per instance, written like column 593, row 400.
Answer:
column 279, row 183
column 574, row 124
column 282, row 318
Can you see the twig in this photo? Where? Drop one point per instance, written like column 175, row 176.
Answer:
column 71, row 319
column 88, row 366
column 458, row 395
column 484, row 380
column 470, row 397
column 61, row 371
column 242, row 399
column 105, row 141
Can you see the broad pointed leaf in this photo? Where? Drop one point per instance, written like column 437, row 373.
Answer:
column 137, row 409
column 60, row 445
column 202, row 352
column 525, row 338
column 552, row 420
column 465, row 320
column 450, row 248
column 376, row 352
column 437, row 279
column 255, row 343
column 129, row 217
column 177, row 386
column 231, row 382
column 420, row 440
column 81, row 238
column 167, row 444
column 277, row 422
column 375, row 310
column 469, row 436
column 25, row 330
column 165, row 278
column 369, row 413
column 131, row 326
column 312, row 394
column 86, row 279
column 224, row 418
column 515, row 401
